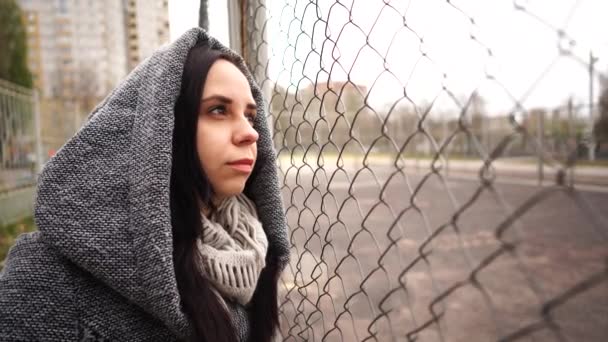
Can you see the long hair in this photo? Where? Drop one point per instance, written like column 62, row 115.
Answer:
column 191, row 191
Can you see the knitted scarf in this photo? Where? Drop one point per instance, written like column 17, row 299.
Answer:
column 233, row 248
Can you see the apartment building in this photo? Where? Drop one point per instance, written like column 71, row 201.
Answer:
column 147, row 27
column 80, row 49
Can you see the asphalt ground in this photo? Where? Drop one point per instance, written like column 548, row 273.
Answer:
column 384, row 255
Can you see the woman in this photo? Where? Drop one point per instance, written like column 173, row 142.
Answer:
column 161, row 220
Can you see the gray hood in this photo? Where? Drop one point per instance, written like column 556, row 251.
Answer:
column 103, row 199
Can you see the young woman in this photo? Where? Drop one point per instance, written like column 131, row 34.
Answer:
column 161, row 220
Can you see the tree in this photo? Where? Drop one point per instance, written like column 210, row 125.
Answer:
column 13, row 54
column 474, row 118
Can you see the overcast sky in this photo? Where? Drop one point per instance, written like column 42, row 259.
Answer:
column 183, row 14
column 522, row 47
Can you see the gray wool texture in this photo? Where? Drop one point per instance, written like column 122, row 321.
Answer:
column 233, row 248
column 100, row 267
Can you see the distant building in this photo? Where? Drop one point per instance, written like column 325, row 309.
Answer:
column 80, row 50
column 75, row 42
column 147, row 27
column 351, row 95
column 323, row 113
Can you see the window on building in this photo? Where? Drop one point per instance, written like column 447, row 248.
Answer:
column 63, row 6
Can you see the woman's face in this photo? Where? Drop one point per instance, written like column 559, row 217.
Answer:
column 225, row 138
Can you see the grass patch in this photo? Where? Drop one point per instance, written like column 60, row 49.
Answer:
column 9, row 233
column 601, row 163
column 595, row 163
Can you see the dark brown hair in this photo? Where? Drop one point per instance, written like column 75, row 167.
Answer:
column 190, row 189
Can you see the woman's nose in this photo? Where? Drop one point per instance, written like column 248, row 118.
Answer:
column 245, row 133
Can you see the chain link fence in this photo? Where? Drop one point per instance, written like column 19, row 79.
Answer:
column 439, row 172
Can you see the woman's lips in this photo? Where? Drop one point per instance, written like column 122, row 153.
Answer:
column 242, row 165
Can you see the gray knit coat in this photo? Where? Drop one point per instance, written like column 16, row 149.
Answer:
column 100, row 267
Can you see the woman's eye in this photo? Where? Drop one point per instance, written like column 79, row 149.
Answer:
column 250, row 117
column 217, row 110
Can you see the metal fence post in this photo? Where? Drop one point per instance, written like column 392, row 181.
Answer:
column 38, row 136
column 571, row 137
column 256, row 47
column 592, row 141
column 234, row 25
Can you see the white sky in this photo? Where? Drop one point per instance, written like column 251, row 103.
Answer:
column 522, row 47
column 183, row 15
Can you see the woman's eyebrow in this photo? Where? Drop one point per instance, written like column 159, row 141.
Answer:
column 227, row 100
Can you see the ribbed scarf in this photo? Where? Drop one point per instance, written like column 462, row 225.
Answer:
column 233, row 248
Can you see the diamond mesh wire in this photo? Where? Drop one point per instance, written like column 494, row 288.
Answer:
column 433, row 157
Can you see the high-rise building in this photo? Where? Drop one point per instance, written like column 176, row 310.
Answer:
column 32, row 24
column 80, row 49
column 80, row 45
column 147, row 24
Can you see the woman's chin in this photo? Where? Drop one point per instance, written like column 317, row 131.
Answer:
column 226, row 192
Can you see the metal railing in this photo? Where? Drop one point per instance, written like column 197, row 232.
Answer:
column 452, row 211
column 20, row 151
column 19, row 141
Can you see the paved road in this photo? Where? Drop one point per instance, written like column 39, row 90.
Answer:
column 359, row 236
